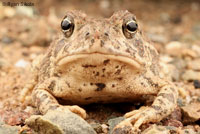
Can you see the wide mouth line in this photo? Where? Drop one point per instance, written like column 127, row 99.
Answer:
column 69, row 58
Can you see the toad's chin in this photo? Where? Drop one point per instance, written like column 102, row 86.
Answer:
column 98, row 58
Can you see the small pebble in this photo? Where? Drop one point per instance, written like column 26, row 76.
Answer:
column 191, row 75
column 157, row 38
column 21, row 63
column 196, row 48
column 22, row 10
column 7, row 40
column 9, row 12
column 196, row 83
column 194, row 64
column 104, row 4
column 191, row 112
column 6, row 129
column 196, row 29
column 97, row 127
column 174, row 48
column 113, row 122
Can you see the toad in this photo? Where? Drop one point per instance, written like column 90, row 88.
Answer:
column 102, row 61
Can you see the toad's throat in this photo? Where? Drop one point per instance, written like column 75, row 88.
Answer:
column 98, row 58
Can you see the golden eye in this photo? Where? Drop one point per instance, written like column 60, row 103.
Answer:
column 67, row 26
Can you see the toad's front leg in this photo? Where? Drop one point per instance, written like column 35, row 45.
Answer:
column 44, row 101
column 162, row 106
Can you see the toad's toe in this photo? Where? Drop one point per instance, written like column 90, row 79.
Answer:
column 77, row 110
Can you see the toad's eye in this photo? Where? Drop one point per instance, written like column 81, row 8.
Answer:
column 129, row 28
column 67, row 26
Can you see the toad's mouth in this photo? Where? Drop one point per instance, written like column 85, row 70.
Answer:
column 97, row 58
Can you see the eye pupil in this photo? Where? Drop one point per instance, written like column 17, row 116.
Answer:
column 66, row 25
column 132, row 26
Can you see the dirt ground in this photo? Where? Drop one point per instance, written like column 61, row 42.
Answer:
column 172, row 26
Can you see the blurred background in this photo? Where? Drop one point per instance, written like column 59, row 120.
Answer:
column 162, row 20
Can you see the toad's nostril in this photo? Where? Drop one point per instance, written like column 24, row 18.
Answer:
column 87, row 34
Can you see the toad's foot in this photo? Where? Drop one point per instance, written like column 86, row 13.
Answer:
column 134, row 120
column 45, row 101
column 162, row 106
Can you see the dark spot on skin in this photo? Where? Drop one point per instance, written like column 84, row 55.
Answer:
column 87, row 35
column 165, row 89
column 172, row 89
column 47, row 103
column 105, row 62
column 66, row 47
column 118, row 71
column 102, row 43
column 43, row 97
column 165, row 111
column 51, row 98
column 116, row 28
column 113, row 85
column 127, row 50
column 103, row 69
column 106, row 34
column 103, row 75
column 92, row 41
column 91, row 84
column 68, row 84
column 117, row 67
column 86, row 66
column 139, row 45
column 80, row 90
column 100, row 86
column 160, row 101
column 120, row 78
column 169, row 97
column 149, row 80
column 52, row 84
column 153, row 68
column 153, row 53
column 84, row 84
column 110, row 50
column 88, row 98
column 157, row 108
column 128, row 88
column 56, row 75
column 97, row 74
